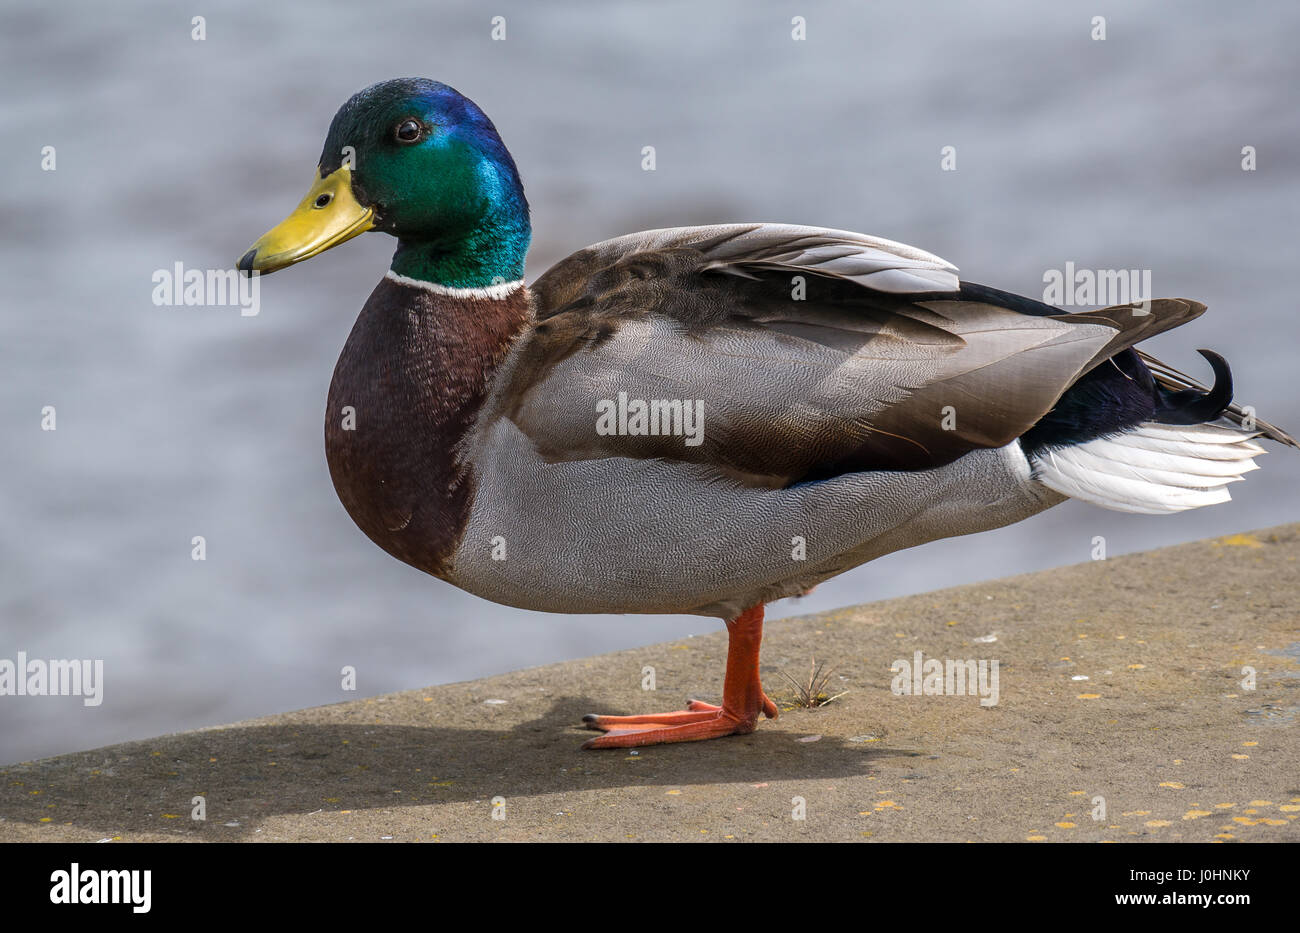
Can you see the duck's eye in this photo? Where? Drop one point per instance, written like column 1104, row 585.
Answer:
column 324, row 199
column 408, row 131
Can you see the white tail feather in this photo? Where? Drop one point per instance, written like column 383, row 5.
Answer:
column 1152, row 468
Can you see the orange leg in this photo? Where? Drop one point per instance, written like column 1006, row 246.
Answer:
column 742, row 700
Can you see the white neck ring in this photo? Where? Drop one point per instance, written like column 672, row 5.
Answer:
column 491, row 292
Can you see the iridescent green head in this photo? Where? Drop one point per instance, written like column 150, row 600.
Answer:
column 421, row 161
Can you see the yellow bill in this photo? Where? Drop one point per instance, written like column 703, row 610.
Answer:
column 327, row 216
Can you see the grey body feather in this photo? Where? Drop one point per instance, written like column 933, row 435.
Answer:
column 876, row 413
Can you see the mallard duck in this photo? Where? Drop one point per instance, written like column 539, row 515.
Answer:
column 706, row 419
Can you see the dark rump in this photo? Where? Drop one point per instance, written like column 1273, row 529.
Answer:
column 1116, row 395
column 1113, row 396
column 1122, row 393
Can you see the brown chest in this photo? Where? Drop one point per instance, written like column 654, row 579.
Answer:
column 407, row 389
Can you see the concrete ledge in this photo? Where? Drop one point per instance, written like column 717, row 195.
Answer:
column 1162, row 729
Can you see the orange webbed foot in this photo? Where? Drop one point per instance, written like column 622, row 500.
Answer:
column 743, row 700
column 701, row 721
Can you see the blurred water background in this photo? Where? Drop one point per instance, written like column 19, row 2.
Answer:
column 176, row 422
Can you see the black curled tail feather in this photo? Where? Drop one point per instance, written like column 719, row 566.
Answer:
column 1194, row 405
column 1171, row 379
column 1133, row 387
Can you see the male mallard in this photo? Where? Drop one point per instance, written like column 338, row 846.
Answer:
column 706, row 419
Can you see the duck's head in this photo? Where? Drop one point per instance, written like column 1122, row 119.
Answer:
column 419, row 160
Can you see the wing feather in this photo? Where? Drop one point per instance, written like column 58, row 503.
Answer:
column 875, row 360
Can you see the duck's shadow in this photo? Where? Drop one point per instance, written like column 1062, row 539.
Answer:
column 248, row 773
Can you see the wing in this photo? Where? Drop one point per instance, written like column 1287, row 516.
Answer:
column 798, row 353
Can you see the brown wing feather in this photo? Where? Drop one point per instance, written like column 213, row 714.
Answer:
column 840, row 377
